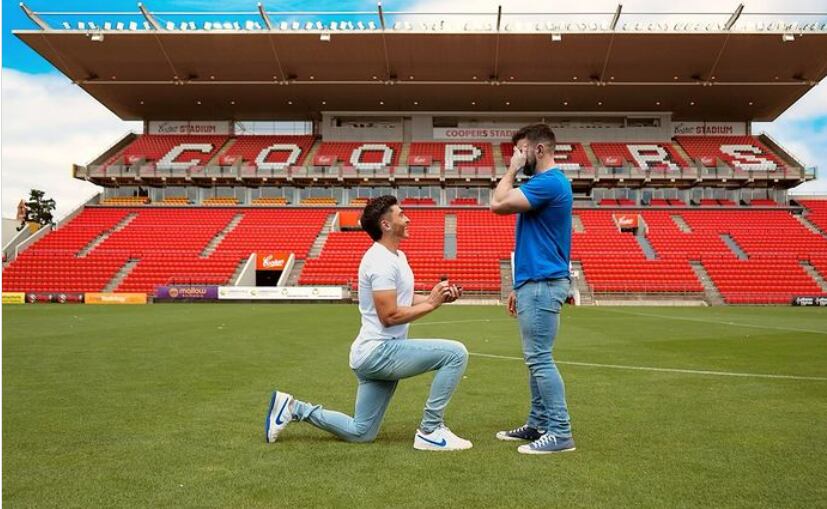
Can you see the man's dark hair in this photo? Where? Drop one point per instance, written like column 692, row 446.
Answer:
column 535, row 133
column 374, row 210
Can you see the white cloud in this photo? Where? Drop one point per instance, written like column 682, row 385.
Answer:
column 802, row 130
column 49, row 124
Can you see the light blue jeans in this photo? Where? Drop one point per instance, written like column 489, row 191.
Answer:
column 538, row 311
column 378, row 376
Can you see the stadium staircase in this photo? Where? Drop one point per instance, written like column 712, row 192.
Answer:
column 214, row 160
column 506, row 279
column 450, row 250
column 295, row 273
column 681, row 152
column 311, row 154
column 404, row 152
column 815, row 274
column 730, row 242
column 810, row 226
column 816, row 213
column 711, row 293
column 647, row 248
column 212, row 245
column 582, row 285
column 577, row 224
column 499, row 162
column 123, row 223
column 237, row 272
column 321, row 238
column 121, row 275
column 590, row 155
column 682, row 226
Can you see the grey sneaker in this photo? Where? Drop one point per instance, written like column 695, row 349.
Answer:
column 548, row 444
column 522, row 433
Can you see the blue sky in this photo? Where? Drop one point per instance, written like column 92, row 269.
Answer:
column 48, row 123
column 17, row 55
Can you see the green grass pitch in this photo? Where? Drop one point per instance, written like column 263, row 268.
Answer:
column 163, row 406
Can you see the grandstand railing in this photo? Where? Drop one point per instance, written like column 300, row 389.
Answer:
column 482, row 172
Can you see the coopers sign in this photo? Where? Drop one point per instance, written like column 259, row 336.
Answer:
column 473, row 133
column 271, row 261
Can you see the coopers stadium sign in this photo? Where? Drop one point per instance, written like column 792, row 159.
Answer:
column 473, row 133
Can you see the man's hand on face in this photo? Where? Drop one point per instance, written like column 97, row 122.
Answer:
column 518, row 160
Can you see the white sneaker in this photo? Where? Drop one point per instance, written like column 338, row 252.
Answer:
column 278, row 415
column 441, row 439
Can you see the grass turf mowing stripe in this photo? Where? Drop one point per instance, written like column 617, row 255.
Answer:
column 718, row 322
column 664, row 370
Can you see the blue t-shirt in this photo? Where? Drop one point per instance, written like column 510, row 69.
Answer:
column 543, row 244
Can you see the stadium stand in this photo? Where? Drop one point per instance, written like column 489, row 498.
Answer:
column 220, row 201
column 464, row 202
column 174, row 200
column 646, row 156
column 276, row 201
column 451, row 156
column 339, row 261
column 569, row 156
column 51, row 263
column 738, row 152
column 158, row 149
column 763, row 203
column 276, row 150
column 359, row 202
column 362, row 155
column 418, row 202
column 816, row 213
column 125, row 201
column 275, row 230
column 319, row 202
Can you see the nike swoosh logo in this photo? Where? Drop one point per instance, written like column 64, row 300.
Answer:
column 441, row 443
column 278, row 417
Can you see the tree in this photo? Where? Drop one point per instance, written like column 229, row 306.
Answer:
column 38, row 209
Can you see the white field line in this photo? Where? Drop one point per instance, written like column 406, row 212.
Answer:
column 665, row 370
column 720, row 322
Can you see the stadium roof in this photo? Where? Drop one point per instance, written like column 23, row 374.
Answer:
column 274, row 74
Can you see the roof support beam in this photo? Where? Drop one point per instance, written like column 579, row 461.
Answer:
column 495, row 73
column 612, row 27
column 149, row 17
column 732, row 19
column 710, row 76
column 37, row 20
column 388, row 74
column 616, row 17
column 279, row 70
column 264, row 16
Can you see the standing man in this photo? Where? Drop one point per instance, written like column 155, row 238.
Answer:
column 382, row 354
column 541, row 282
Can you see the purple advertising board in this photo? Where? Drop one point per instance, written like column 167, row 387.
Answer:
column 186, row 292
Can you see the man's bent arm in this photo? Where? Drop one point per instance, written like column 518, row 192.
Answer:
column 391, row 314
column 506, row 199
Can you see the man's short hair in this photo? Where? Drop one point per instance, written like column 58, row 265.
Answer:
column 535, row 133
column 374, row 210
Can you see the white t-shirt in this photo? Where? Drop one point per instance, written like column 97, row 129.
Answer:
column 380, row 270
